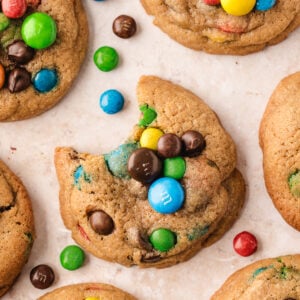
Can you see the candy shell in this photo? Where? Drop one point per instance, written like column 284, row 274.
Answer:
column 4, row 21
column 2, row 76
column 264, row 5
column 111, row 101
column 106, row 58
column 72, row 257
column 174, row 167
column 39, row 30
column 45, row 80
column 150, row 137
column 166, row 195
column 14, row 9
column 163, row 239
column 245, row 243
column 238, row 7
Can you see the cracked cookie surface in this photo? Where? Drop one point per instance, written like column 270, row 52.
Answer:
column 274, row 278
column 214, row 189
column 209, row 28
column 16, row 227
column 279, row 140
column 65, row 56
column 86, row 290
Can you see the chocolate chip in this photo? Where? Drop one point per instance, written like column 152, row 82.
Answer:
column 42, row 276
column 124, row 26
column 169, row 145
column 19, row 79
column 289, row 298
column 101, row 222
column 19, row 52
column 151, row 257
column 144, row 165
column 193, row 143
column 138, row 239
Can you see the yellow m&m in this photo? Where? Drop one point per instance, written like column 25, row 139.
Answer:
column 238, row 7
column 150, row 137
column 92, row 298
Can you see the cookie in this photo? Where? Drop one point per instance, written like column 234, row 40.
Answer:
column 273, row 278
column 41, row 53
column 152, row 208
column 279, row 140
column 214, row 29
column 17, row 228
column 88, row 291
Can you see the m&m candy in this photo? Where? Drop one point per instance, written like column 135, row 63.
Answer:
column 166, row 195
column 72, row 257
column 163, row 239
column 111, row 101
column 150, row 137
column 106, row 58
column 238, row 7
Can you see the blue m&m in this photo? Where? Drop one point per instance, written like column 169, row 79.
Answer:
column 166, row 195
column 264, row 5
column 111, row 101
column 45, row 80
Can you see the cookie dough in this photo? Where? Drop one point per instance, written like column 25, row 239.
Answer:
column 88, row 291
column 274, row 278
column 107, row 210
column 279, row 140
column 16, row 227
column 200, row 26
column 52, row 70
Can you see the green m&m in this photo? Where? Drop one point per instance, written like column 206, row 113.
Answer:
column 72, row 257
column 163, row 239
column 106, row 58
column 39, row 30
column 174, row 167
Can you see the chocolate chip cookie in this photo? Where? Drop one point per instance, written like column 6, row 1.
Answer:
column 274, row 278
column 88, row 291
column 17, row 228
column 208, row 26
column 279, row 140
column 168, row 191
column 41, row 51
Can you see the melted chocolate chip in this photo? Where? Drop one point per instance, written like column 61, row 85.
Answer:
column 19, row 79
column 169, row 145
column 19, row 52
column 150, row 257
column 193, row 143
column 290, row 298
column 124, row 26
column 144, row 165
column 42, row 276
column 101, row 222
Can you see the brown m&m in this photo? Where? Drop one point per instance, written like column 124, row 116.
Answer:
column 193, row 143
column 169, row 145
column 124, row 26
column 144, row 165
column 42, row 276
column 101, row 222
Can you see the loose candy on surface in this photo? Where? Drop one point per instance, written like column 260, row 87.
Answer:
column 124, row 26
column 20, row 53
column 14, row 9
column 174, row 167
column 144, row 165
column 106, row 58
column 42, row 276
column 101, row 222
column 245, row 243
column 163, row 239
column 45, row 80
column 238, row 7
column 111, row 101
column 166, row 195
column 149, row 138
column 72, row 257
column 39, row 30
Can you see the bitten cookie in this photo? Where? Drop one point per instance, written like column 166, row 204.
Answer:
column 16, row 227
column 279, row 140
column 274, row 278
column 157, row 199
column 88, row 291
column 235, row 27
column 41, row 52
